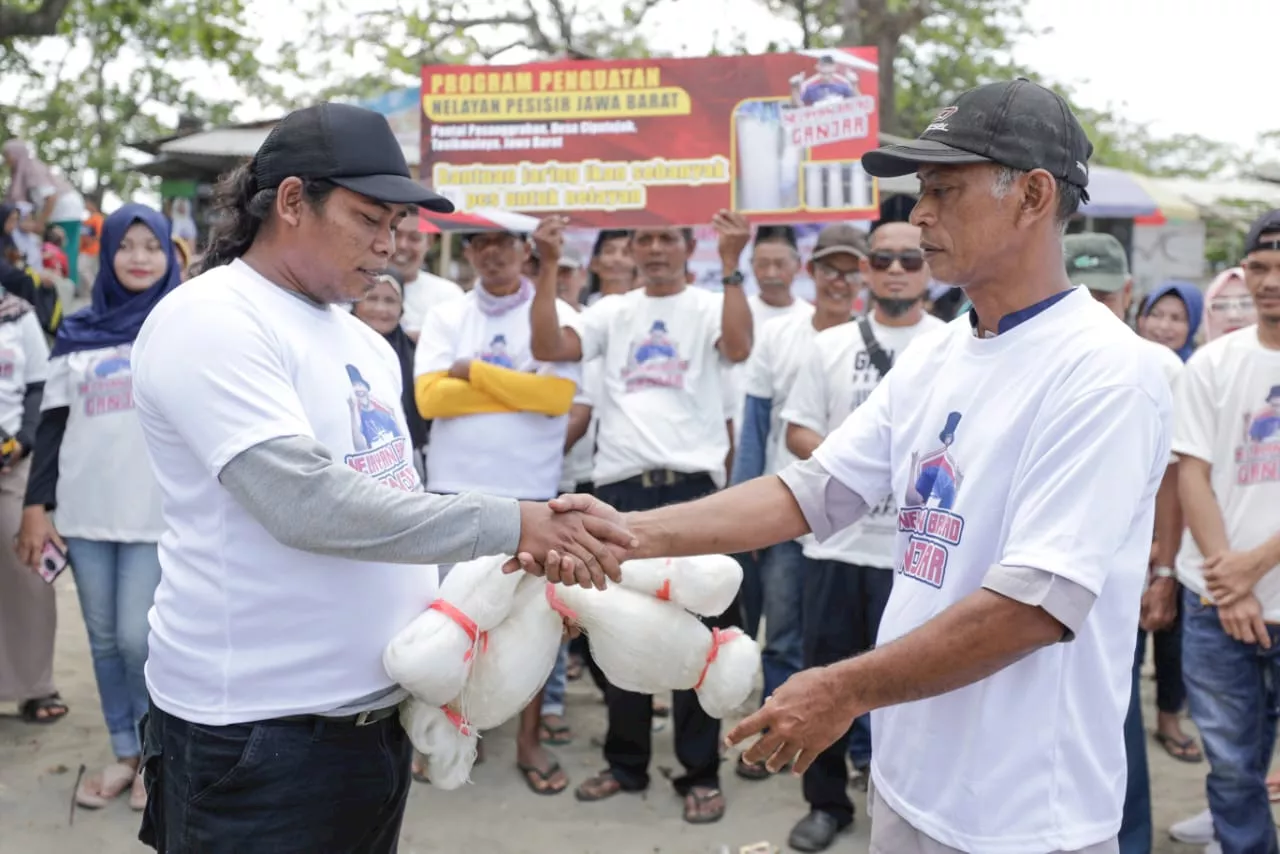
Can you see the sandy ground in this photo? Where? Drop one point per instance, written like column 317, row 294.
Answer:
column 38, row 767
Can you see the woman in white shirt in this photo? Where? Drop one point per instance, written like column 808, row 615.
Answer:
column 91, row 463
column 28, row 612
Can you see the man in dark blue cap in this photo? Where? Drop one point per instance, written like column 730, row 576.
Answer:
column 299, row 538
column 1001, row 676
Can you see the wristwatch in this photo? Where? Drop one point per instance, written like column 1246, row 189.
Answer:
column 734, row 279
column 1163, row 572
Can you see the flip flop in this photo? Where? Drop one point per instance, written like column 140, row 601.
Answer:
column 112, row 782
column 598, row 788
column 530, row 772
column 555, row 736
column 701, row 796
column 52, row 706
column 1183, row 750
column 748, row 771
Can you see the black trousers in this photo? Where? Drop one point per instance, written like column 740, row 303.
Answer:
column 843, row 604
column 628, row 745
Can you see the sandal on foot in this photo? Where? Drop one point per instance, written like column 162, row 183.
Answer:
column 419, row 770
column 598, row 788
column 555, row 735
column 661, row 708
column 749, row 771
column 1182, row 749
column 98, row 790
column 703, row 805
column 43, row 710
column 539, row 781
column 138, row 794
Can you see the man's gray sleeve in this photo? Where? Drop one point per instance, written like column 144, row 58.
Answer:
column 1059, row 597
column 295, row 490
column 827, row 504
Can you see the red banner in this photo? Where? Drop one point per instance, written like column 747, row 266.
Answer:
column 629, row 143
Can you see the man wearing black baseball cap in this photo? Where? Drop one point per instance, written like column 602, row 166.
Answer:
column 1024, row 450
column 299, row 539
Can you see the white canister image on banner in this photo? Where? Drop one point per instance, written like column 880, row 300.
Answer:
column 759, row 150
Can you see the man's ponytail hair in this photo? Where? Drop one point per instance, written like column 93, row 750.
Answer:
column 240, row 208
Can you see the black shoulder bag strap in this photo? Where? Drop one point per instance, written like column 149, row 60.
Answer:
column 879, row 358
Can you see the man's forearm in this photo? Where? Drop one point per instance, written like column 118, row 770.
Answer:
column 1168, row 519
column 1200, row 507
column 735, row 320
column 302, row 497
column 802, row 441
column 743, row 518
column 980, row 635
column 548, row 340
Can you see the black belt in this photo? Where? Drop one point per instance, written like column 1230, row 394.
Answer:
column 664, row 477
column 373, row 716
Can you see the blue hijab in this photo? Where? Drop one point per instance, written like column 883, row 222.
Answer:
column 116, row 313
column 1191, row 298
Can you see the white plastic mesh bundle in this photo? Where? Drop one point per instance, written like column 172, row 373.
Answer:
column 431, row 656
column 705, row 584
column 448, row 748
column 650, row 646
column 515, row 659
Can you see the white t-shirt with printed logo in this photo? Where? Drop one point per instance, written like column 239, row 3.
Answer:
column 1042, row 447
column 1228, row 409
column 512, row 454
column 245, row 628
column 762, row 315
column 581, row 459
column 106, row 489
column 835, row 378
column 24, row 359
column 663, row 400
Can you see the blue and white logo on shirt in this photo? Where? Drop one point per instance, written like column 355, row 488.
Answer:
column 654, row 361
column 382, row 452
column 926, row 515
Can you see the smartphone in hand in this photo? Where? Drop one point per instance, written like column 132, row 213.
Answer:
column 53, row 561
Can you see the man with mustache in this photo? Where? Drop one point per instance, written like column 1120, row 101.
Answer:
column 847, row 579
column 1228, row 443
column 1025, row 447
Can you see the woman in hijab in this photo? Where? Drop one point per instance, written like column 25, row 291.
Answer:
column 381, row 310
column 1171, row 315
column 91, row 463
column 1227, row 305
column 28, row 610
column 53, row 198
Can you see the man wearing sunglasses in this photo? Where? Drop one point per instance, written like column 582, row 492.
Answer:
column 847, row 578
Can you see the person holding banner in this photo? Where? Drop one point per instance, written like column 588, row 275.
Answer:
column 661, row 440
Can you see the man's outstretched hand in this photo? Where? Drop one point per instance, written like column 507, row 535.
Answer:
column 802, row 718
column 568, row 546
column 564, row 563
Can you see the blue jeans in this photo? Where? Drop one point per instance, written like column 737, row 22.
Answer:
column 1232, row 694
column 1135, row 829
column 782, row 569
column 274, row 787
column 116, row 583
column 557, row 684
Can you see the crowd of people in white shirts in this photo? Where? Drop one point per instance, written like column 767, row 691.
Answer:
column 665, row 392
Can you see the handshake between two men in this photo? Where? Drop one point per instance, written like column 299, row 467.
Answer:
column 574, row 539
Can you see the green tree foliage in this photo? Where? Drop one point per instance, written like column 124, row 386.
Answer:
column 409, row 34
column 932, row 50
column 119, row 71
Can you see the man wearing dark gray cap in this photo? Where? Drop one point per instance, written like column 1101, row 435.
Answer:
column 1024, row 449
column 299, row 540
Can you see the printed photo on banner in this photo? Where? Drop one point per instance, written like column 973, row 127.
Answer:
column 633, row 143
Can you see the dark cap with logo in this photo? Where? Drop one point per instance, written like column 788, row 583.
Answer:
column 1265, row 233
column 1096, row 261
column 840, row 238
column 1017, row 124
column 347, row 145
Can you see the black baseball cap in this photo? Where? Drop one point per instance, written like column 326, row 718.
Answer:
column 1268, row 226
column 1018, row 124
column 348, row 145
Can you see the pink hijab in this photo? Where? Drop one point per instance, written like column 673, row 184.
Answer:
column 29, row 174
column 1236, row 314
